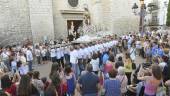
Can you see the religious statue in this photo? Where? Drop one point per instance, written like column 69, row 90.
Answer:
column 71, row 30
column 87, row 16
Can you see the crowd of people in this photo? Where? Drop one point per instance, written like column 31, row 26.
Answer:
column 104, row 67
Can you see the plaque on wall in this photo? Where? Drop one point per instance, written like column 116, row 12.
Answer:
column 73, row 3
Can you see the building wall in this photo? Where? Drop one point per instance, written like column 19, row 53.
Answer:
column 162, row 12
column 14, row 21
column 115, row 16
column 60, row 17
column 123, row 19
column 41, row 18
column 47, row 19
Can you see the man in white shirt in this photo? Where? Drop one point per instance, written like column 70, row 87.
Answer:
column 80, row 58
column 38, row 55
column 5, row 58
column 52, row 54
column 62, row 56
column 29, row 58
column 58, row 55
column 74, row 60
column 67, row 55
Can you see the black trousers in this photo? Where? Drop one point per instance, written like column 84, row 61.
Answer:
column 81, row 65
column 53, row 59
column 61, row 62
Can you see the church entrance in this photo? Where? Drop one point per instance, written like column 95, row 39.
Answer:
column 73, row 28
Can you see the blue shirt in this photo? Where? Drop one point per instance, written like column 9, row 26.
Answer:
column 112, row 87
column 105, row 58
column 154, row 51
column 89, row 83
column 71, row 85
column 160, row 52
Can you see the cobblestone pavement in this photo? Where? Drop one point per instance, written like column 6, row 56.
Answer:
column 44, row 69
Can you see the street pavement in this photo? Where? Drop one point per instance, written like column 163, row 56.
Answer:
column 44, row 69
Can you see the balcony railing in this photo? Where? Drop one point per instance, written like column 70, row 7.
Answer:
column 153, row 23
column 153, row 6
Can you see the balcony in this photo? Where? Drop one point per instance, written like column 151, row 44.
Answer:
column 153, row 23
column 153, row 6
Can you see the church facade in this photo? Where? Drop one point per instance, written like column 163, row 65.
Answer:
column 40, row 20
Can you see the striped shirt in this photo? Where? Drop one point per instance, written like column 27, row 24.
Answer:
column 112, row 87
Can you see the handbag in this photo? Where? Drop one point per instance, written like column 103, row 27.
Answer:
column 161, row 90
column 141, row 93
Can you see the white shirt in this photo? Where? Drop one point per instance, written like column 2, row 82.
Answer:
column 73, row 57
column 24, row 50
column 80, row 53
column 58, row 54
column 96, row 48
column 37, row 52
column 43, row 52
column 93, row 48
column 95, row 64
column 138, row 44
column 29, row 55
column 4, row 55
column 90, row 50
column 87, row 53
column 115, row 42
column 14, row 64
column 52, row 53
column 67, row 50
column 62, row 52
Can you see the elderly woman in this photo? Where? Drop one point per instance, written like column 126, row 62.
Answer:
column 123, row 80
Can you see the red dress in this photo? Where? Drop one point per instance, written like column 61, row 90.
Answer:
column 11, row 90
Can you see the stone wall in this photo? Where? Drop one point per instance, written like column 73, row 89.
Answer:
column 59, row 22
column 123, row 19
column 47, row 19
column 114, row 16
column 41, row 18
column 14, row 21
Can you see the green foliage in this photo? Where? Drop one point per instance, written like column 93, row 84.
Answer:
column 168, row 16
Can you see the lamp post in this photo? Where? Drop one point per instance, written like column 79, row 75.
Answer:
column 141, row 13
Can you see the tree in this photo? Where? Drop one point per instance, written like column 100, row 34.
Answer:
column 168, row 16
